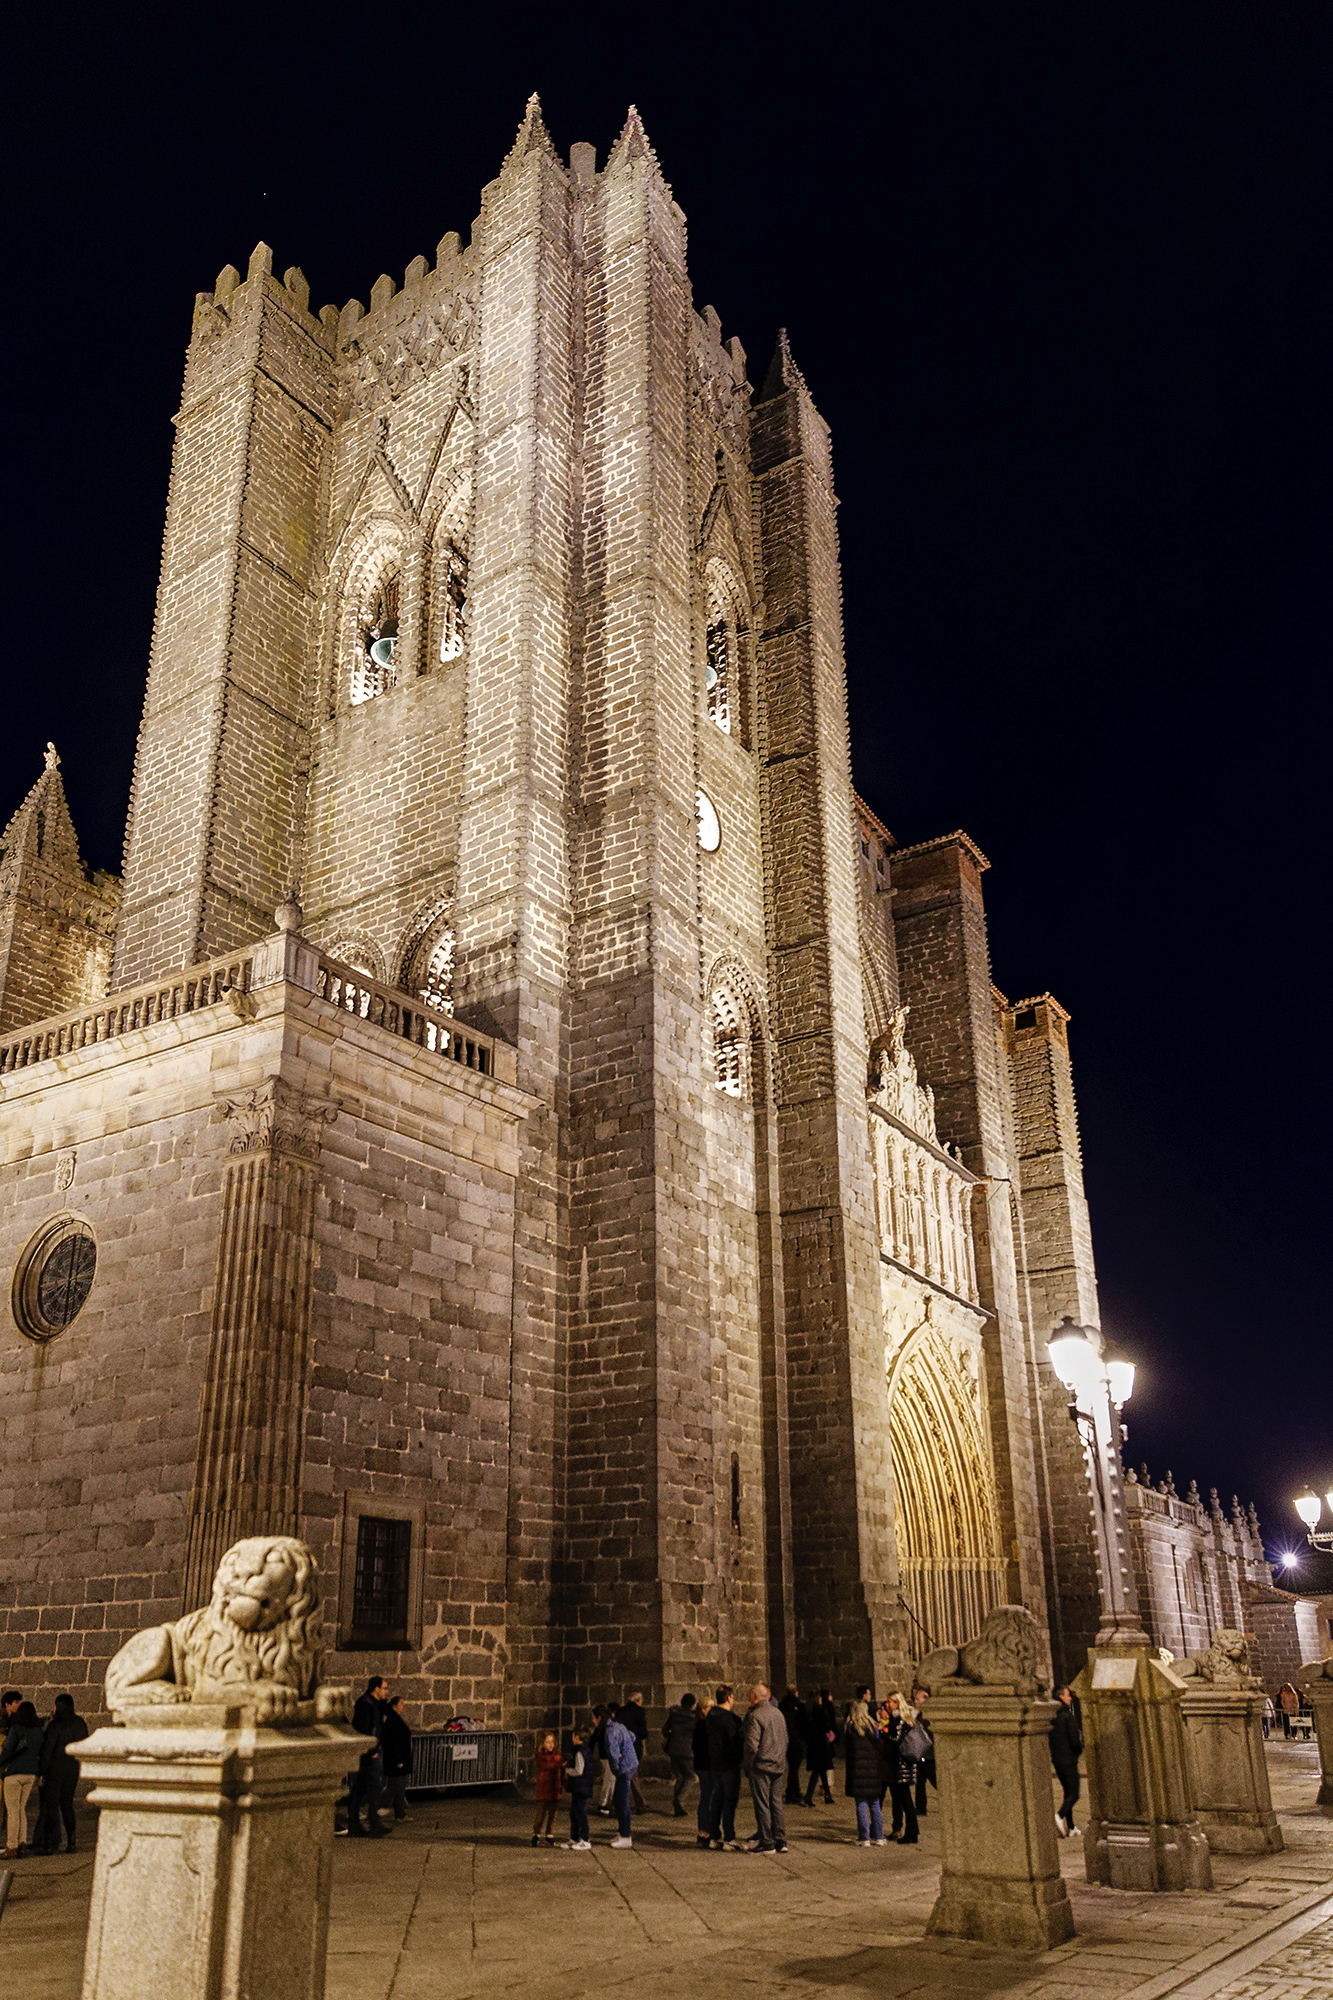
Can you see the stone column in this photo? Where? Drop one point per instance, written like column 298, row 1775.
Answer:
column 1224, row 1756
column 1315, row 1681
column 1143, row 1831
column 214, row 1854
column 1001, row 1880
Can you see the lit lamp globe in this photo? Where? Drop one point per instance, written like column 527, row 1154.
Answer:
column 1074, row 1357
column 1308, row 1508
column 1119, row 1374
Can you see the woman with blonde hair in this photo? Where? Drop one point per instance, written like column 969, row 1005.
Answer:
column 865, row 1775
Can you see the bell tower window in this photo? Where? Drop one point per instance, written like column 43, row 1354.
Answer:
column 452, row 587
column 717, row 671
column 374, row 671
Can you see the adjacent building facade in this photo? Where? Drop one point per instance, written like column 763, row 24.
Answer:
column 539, row 1136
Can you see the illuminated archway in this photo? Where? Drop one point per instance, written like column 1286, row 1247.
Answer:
column 946, row 1517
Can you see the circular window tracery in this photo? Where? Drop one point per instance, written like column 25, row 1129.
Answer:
column 54, row 1276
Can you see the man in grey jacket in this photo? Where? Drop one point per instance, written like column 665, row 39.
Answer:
column 765, row 1765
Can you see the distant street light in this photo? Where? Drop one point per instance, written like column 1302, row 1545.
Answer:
column 1100, row 1381
column 1309, row 1509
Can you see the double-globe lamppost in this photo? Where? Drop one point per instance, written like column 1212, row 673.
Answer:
column 1100, row 1381
column 1309, row 1509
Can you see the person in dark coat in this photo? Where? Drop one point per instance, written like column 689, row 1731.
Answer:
column 368, row 1779
column 396, row 1752
column 925, row 1770
column 796, row 1715
column 703, row 1771
column 19, row 1755
column 630, row 1716
column 1066, row 1749
column 57, row 1777
column 726, row 1751
column 821, row 1737
column 678, row 1742
column 902, row 1765
column 865, row 1775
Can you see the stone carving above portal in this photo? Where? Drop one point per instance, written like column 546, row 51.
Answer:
column 381, row 366
column 255, row 1645
column 278, row 1119
column 894, row 1085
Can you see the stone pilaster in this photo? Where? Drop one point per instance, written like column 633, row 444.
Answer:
column 848, row 1626
column 248, row 1459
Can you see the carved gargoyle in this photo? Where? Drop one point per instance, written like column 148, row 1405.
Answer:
column 1005, row 1653
column 255, row 1645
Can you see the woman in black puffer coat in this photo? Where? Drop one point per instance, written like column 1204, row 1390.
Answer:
column 865, row 1775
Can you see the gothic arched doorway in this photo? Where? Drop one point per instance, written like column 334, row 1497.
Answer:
column 945, row 1522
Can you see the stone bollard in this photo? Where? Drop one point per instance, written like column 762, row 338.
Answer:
column 1315, row 1681
column 1222, row 1710
column 1000, row 1882
column 1143, row 1831
column 217, row 1789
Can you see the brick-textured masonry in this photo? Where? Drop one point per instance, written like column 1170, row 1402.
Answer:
column 687, row 1343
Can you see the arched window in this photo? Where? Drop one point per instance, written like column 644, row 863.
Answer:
column 451, row 597
column 724, row 643
column 427, row 960
column 373, row 669
column 730, row 1027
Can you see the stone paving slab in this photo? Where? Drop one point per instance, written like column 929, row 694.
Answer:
column 458, row 1906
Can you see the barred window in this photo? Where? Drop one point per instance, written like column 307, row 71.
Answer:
column 383, row 1569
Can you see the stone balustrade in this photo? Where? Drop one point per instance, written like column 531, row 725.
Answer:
column 407, row 1015
column 162, row 1000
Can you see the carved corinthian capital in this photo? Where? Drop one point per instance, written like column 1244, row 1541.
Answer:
column 276, row 1118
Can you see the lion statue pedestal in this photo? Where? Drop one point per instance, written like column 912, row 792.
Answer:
column 1222, row 1709
column 1315, row 1681
column 217, row 1787
column 991, row 1716
column 1143, row 1831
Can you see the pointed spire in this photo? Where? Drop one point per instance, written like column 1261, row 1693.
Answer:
column 533, row 136
column 782, row 373
column 42, row 828
column 633, row 144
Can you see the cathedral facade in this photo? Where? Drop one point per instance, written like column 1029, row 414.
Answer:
column 537, row 1135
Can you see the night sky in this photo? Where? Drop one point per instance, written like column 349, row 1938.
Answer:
column 1058, row 279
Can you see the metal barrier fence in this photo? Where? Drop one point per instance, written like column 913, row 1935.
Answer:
column 462, row 1757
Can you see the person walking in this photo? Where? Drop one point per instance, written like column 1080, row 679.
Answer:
column 821, row 1736
column 368, row 1779
column 19, row 1759
column 795, row 1715
column 396, row 1752
column 678, row 1742
column 764, row 1761
column 623, row 1758
column 703, row 1771
column 865, row 1773
column 726, row 1752
column 578, row 1779
column 1066, row 1749
column 550, row 1768
column 903, row 1757
column 631, row 1715
column 58, row 1777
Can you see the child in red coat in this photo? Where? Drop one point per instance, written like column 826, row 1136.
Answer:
column 550, row 1783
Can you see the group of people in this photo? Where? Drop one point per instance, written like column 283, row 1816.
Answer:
column 36, row 1768
column 386, row 1768
column 887, row 1749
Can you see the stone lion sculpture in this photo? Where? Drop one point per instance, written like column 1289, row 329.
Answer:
column 254, row 1645
column 1227, row 1659
column 1005, row 1653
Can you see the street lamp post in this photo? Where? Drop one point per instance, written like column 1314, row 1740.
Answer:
column 1309, row 1509
column 1143, row 1831
column 1100, row 1382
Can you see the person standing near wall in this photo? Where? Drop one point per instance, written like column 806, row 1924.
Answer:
column 703, row 1771
column 821, row 1736
column 866, row 1774
column 396, row 1750
column 678, row 1742
column 726, row 1750
column 368, row 1780
column 58, row 1777
column 795, row 1716
column 1066, row 1749
column 631, row 1715
column 764, row 1761
column 19, row 1756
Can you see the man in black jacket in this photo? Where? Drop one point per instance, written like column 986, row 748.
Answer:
column 396, row 1753
column 57, row 1776
column 794, row 1711
column 1066, row 1748
column 368, row 1780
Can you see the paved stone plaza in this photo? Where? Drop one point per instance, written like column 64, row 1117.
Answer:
column 457, row 1904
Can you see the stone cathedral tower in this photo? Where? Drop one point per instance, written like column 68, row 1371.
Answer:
column 612, row 1217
